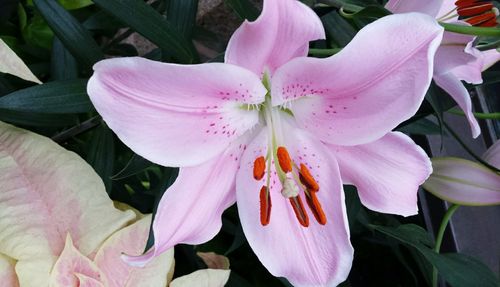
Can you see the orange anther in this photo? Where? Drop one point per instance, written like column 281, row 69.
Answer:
column 307, row 179
column 259, row 167
column 474, row 9
column 300, row 212
column 315, row 206
column 490, row 23
column 284, row 159
column 468, row 3
column 482, row 20
column 265, row 206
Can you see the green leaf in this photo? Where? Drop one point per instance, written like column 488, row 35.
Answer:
column 182, row 15
column 421, row 127
column 73, row 35
column 38, row 33
column 37, row 119
column 410, row 234
column 75, row 4
column 135, row 165
column 104, row 22
column 149, row 23
column 338, row 29
column 460, row 270
column 60, row 97
column 101, row 154
column 243, row 8
column 457, row 269
column 373, row 11
column 63, row 65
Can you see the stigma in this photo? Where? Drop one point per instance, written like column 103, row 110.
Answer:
column 296, row 181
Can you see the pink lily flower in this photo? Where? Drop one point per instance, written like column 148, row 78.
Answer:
column 278, row 133
column 457, row 59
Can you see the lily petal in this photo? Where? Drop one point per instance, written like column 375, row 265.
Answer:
column 281, row 32
column 86, row 281
column 492, row 155
column 46, row 193
column 35, row 272
column 489, row 58
column 12, row 64
column 447, row 10
column 190, row 210
column 69, row 264
column 454, row 87
column 7, row 272
column 319, row 255
column 454, row 51
column 131, row 240
column 463, row 182
column 472, row 71
column 429, row 7
column 387, row 172
column 203, row 278
column 360, row 94
column 170, row 118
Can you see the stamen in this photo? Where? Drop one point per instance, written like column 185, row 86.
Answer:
column 290, row 188
column 307, row 179
column 484, row 20
column 299, row 210
column 475, row 9
column 259, row 168
column 315, row 206
column 284, row 159
column 265, row 206
column 466, row 3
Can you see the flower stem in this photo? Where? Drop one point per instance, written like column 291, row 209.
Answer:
column 439, row 238
column 324, row 52
column 471, row 30
column 482, row 116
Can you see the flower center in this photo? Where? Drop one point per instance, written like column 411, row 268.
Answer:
column 294, row 177
column 475, row 12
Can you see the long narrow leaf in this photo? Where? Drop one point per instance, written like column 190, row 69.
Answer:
column 149, row 23
column 182, row 15
column 71, row 33
column 60, row 97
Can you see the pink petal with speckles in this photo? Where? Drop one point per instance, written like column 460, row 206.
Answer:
column 319, row 255
column 360, row 94
column 175, row 115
